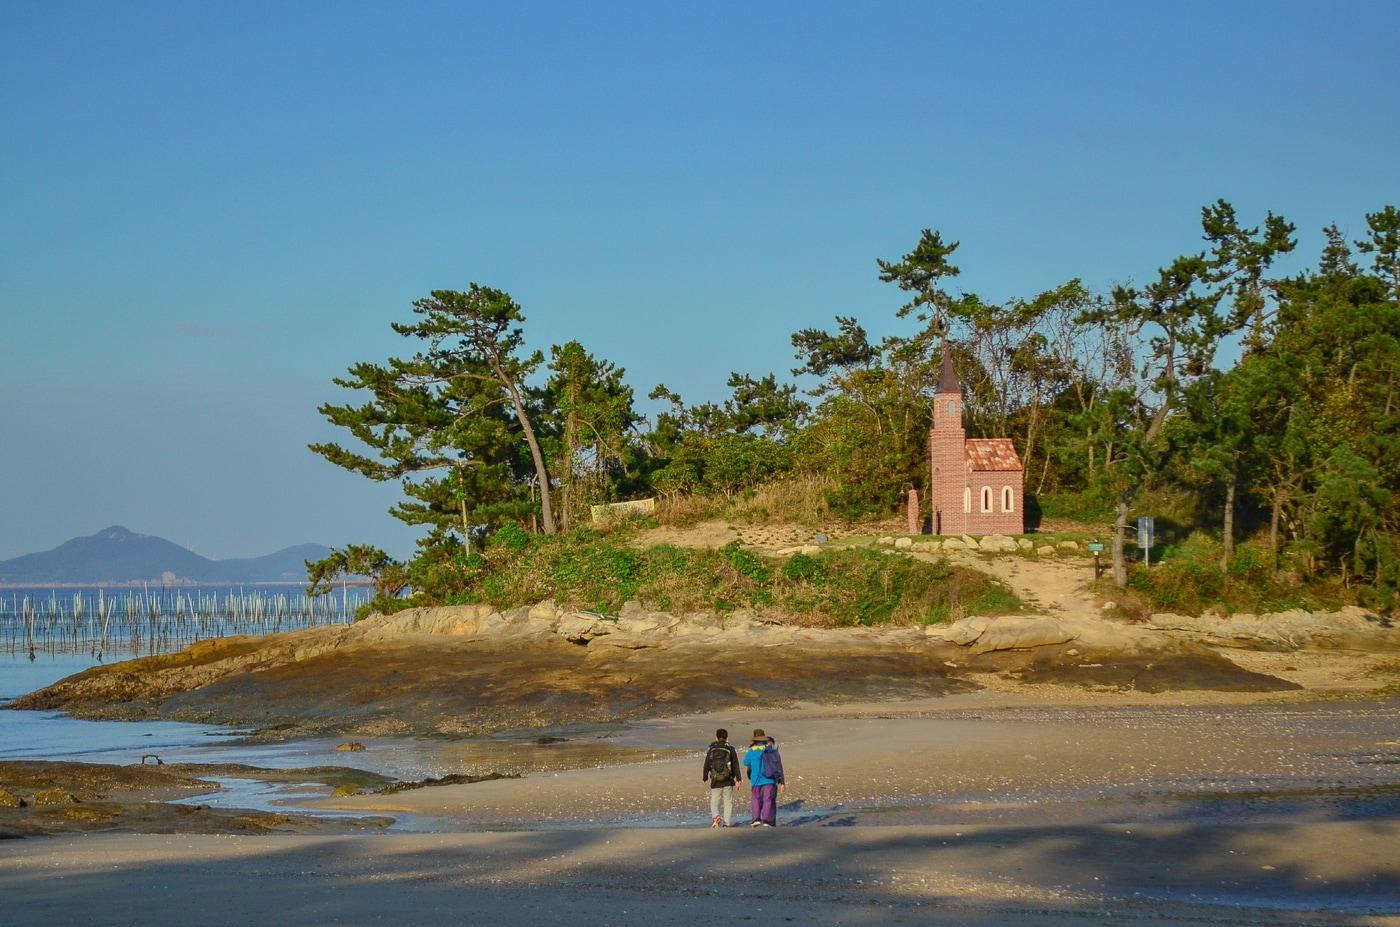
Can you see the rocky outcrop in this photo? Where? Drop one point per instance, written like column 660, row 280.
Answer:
column 472, row 669
column 1295, row 629
column 985, row 635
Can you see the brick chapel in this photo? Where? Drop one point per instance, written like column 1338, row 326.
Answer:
column 977, row 482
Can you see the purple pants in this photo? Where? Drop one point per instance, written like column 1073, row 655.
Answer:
column 763, row 803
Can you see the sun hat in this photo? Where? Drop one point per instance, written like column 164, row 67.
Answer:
column 758, row 732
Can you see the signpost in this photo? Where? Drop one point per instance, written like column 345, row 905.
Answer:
column 1145, row 537
column 1095, row 548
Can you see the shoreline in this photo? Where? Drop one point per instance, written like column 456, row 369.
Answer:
column 977, row 808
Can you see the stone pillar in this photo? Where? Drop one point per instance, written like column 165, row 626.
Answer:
column 913, row 510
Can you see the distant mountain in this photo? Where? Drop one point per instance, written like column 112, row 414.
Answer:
column 116, row 555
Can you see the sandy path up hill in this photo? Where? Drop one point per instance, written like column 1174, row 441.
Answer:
column 1058, row 587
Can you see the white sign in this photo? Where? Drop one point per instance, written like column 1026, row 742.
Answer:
column 1145, row 531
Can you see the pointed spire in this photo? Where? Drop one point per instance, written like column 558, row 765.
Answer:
column 947, row 379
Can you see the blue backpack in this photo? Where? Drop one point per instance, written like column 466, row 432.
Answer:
column 771, row 764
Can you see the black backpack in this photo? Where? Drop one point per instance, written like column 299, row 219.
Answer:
column 717, row 763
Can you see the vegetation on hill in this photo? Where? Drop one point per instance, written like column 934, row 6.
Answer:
column 602, row 570
column 1266, row 407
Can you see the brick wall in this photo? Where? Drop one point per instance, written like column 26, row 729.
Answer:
column 948, row 463
column 996, row 521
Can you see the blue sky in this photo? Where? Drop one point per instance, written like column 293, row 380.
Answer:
column 210, row 210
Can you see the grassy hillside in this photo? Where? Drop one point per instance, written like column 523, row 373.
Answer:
column 601, row 571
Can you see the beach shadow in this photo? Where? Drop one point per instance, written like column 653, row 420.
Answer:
column 833, row 873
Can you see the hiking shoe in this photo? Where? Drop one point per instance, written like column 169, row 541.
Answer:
column 756, row 824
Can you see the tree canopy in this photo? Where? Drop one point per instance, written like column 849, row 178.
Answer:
column 1265, row 405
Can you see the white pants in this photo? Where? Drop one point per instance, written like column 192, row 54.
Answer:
column 724, row 795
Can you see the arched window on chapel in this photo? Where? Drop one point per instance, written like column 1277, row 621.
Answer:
column 967, row 499
column 1007, row 500
column 986, row 498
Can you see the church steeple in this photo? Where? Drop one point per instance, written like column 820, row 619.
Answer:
column 947, row 378
column 948, row 399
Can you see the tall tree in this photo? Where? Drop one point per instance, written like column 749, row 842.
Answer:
column 919, row 273
column 478, row 334
column 1239, row 259
column 1179, row 318
column 594, row 414
column 447, row 421
column 1383, row 241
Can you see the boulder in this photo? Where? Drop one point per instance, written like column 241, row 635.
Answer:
column 1068, row 545
column 983, row 634
column 646, row 623
column 903, row 543
column 1294, row 629
column 969, row 541
column 953, row 544
column 885, row 541
column 962, row 632
column 997, row 543
column 545, row 612
column 1045, row 550
column 928, row 547
column 582, row 627
column 811, row 550
column 1024, row 544
column 444, row 619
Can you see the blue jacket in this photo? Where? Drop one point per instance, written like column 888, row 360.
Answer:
column 753, row 762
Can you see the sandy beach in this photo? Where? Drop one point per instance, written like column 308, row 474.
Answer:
column 1049, row 769
column 1320, row 874
column 984, row 808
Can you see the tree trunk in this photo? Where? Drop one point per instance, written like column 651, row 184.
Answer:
column 546, row 512
column 1273, row 531
column 1120, row 527
column 462, row 508
column 1228, row 529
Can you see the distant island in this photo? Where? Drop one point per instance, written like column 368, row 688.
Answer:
column 118, row 556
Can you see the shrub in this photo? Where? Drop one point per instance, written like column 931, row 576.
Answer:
column 599, row 571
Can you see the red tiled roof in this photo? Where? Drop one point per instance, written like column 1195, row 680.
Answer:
column 992, row 454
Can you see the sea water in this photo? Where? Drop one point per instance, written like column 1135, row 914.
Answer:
column 53, row 735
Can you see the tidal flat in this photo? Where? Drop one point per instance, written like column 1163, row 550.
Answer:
column 980, row 795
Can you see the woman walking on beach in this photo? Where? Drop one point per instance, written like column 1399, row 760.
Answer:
column 765, row 771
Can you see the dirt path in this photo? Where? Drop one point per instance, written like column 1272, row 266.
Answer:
column 1058, row 587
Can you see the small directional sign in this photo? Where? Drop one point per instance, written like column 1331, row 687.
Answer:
column 1094, row 547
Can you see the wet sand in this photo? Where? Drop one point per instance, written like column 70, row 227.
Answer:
column 971, row 758
column 985, row 808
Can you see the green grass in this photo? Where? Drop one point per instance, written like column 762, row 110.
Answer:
column 1188, row 579
column 846, row 586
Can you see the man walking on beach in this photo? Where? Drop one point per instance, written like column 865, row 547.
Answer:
column 722, row 773
column 765, row 778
